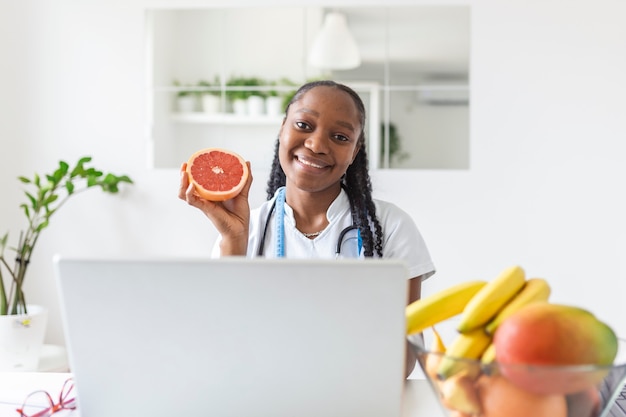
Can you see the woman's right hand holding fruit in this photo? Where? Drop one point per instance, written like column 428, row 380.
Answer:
column 230, row 217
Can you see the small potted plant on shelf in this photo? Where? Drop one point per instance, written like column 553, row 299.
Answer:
column 210, row 96
column 47, row 195
column 237, row 94
column 273, row 102
column 396, row 154
column 279, row 97
column 274, row 105
column 246, row 96
column 256, row 99
column 187, row 98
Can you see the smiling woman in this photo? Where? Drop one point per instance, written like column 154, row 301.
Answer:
column 413, row 76
column 319, row 195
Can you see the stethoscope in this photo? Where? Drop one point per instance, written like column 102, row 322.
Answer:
column 280, row 235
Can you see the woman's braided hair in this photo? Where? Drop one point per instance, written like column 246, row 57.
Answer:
column 356, row 181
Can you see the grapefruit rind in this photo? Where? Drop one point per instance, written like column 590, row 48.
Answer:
column 195, row 166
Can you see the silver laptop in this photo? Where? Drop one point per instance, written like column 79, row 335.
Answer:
column 235, row 337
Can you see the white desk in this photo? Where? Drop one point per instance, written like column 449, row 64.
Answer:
column 419, row 400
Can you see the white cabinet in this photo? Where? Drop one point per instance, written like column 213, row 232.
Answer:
column 195, row 51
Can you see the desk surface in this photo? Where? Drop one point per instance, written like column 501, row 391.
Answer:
column 419, row 400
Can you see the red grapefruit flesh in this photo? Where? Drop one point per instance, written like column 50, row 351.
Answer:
column 217, row 174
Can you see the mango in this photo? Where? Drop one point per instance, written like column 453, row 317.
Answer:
column 556, row 335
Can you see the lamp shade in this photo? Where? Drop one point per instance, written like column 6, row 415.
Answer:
column 334, row 47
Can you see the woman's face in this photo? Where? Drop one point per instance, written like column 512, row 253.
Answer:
column 319, row 138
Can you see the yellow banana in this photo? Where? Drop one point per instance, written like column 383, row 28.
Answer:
column 459, row 393
column 491, row 298
column 437, row 349
column 535, row 289
column 470, row 345
column 489, row 355
column 440, row 306
column 437, row 345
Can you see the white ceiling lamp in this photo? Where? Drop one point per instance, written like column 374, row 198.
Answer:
column 334, row 47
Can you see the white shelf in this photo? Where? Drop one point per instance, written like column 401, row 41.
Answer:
column 226, row 119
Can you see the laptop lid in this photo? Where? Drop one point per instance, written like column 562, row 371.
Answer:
column 235, row 337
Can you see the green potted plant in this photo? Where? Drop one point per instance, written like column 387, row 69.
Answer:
column 275, row 100
column 237, row 94
column 187, row 97
column 210, row 96
column 245, row 95
column 22, row 328
column 395, row 146
column 256, row 97
column 50, row 193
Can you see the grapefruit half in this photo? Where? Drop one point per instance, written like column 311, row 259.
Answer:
column 217, row 174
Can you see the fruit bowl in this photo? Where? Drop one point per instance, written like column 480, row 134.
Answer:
column 494, row 390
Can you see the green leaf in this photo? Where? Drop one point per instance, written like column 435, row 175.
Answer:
column 79, row 169
column 69, row 186
column 64, row 167
column 51, row 199
column 125, row 178
column 26, row 210
column 109, row 179
column 43, row 190
column 92, row 172
column 59, row 173
column 33, row 200
column 41, row 226
column 24, row 180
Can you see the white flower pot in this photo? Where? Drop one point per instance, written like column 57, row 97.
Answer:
column 21, row 339
column 186, row 104
column 274, row 106
column 240, row 107
column 256, row 106
column 210, row 103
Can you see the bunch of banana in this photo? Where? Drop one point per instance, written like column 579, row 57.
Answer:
column 482, row 307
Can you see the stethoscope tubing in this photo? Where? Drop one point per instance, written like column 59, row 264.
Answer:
column 261, row 247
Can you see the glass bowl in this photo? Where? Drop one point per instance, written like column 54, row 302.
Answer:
column 495, row 390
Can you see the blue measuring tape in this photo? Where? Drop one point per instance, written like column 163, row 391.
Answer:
column 353, row 245
column 279, row 223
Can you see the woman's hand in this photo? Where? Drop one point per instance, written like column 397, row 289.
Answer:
column 231, row 217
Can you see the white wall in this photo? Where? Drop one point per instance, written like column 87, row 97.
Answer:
column 544, row 188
